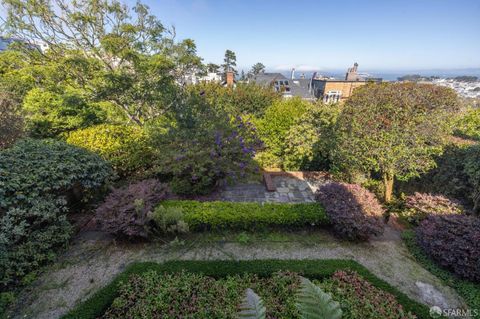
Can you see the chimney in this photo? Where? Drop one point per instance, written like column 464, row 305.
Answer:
column 293, row 74
column 230, row 78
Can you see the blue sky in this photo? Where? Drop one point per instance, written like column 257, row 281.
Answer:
column 322, row 35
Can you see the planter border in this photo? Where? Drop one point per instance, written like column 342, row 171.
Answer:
column 97, row 304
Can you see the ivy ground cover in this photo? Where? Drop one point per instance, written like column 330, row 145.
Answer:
column 214, row 289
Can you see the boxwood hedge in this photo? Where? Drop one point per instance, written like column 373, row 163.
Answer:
column 314, row 269
column 246, row 216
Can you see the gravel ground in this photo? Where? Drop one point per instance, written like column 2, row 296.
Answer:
column 94, row 259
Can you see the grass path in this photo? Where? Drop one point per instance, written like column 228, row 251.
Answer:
column 94, row 259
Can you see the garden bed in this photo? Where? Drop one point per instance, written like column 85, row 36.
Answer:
column 140, row 285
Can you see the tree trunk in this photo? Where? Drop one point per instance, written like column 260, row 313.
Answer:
column 388, row 183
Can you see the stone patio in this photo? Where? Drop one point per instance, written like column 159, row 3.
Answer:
column 289, row 189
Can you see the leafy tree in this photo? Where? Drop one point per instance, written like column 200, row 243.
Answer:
column 213, row 68
column 394, row 129
column 257, row 68
column 122, row 56
column 11, row 121
column 230, row 62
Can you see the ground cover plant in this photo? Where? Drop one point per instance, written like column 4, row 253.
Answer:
column 354, row 212
column 468, row 290
column 247, row 216
column 419, row 206
column 265, row 270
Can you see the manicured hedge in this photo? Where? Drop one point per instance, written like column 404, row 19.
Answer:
column 314, row 269
column 232, row 215
column 469, row 291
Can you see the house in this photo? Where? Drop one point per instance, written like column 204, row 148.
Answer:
column 333, row 90
column 287, row 87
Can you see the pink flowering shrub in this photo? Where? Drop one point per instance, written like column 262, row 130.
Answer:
column 420, row 205
column 354, row 212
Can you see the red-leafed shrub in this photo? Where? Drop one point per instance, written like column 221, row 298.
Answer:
column 125, row 212
column 420, row 205
column 354, row 212
column 453, row 241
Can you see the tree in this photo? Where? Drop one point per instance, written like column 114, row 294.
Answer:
column 11, row 122
column 394, row 129
column 230, row 61
column 257, row 68
column 213, row 68
column 127, row 57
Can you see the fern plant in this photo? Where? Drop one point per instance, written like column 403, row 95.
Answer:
column 252, row 306
column 313, row 303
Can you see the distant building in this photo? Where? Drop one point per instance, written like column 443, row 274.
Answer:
column 332, row 90
column 287, row 87
column 5, row 42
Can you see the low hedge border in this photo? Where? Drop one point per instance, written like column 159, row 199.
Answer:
column 96, row 305
column 469, row 291
column 248, row 215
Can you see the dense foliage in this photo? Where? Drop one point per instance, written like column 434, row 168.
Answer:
column 468, row 125
column 419, row 206
column 125, row 211
column 201, row 147
column 247, row 216
column 184, row 294
column 96, row 305
column 309, row 140
column 273, row 129
column 360, row 299
column 168, row 220
column 124, row 146
column 453, row 241
column 394, row 129
column 354, row 212
column 40, row 180
column 469, row 291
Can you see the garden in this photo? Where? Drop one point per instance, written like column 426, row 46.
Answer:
column 113, row 167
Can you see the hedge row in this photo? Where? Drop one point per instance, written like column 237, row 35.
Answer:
column 96, row 305
column 469, row 291
column 231, row 215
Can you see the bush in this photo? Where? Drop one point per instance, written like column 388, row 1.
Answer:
column 472, row 170
column 354, row 212
column 40, row 180
column 125, row 211
column 469, row 124
column 274, row 126
column 360, row 299
column 247, row 216
column 309, row 140
column 11, row 122
column 419, row 206
column 170, row 220
column 125, row 146
column 453, row 241
column 202, row 147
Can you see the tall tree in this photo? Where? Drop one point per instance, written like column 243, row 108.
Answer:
column 257, row 68
column 213, row 68
column 230, row 62
column 395, row 129
column 129, row 58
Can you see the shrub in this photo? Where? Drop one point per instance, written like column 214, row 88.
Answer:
column 40, row 180
column 125, row 146
column 202, row 147
column 453, row 241
column 247, row 216
column 125, row 211
column 169, row 220
column 360, row 299
column 274, row 126
column 472, row 170
column 420, row 205
column 11, row 122
column 469, row 124
column 354, row 212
